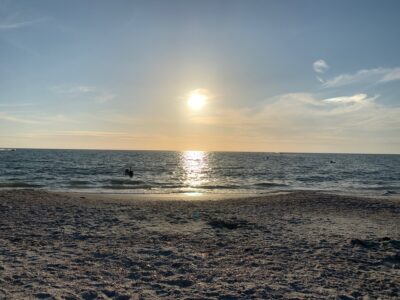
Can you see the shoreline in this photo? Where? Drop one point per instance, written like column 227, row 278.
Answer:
column 223, row 196
column 220, row 195
column 294, row 245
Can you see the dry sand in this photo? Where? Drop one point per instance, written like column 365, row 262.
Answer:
column 300, row 245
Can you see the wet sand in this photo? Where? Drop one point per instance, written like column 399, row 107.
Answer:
column 301, row 245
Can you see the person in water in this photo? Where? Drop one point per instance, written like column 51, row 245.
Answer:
column 129, row 172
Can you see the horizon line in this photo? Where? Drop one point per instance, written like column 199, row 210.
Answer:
column 229, row 151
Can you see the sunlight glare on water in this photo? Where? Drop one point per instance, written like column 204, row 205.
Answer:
column 195, row 166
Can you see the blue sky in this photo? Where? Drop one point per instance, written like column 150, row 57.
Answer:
column 313, row 76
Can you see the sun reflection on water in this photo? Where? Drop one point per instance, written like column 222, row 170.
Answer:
column 195, row 167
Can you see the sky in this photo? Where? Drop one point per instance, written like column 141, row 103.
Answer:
column 281, row 76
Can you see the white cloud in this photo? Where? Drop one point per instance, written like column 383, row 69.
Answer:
column 320, row 66
column 376, row 75
column 340, row 114
column 358, row 98
column 393, row 74
column 306, row 122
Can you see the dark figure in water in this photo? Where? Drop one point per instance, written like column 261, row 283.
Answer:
column 129, row 172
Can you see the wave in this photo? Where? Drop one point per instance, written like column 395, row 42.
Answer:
column 316, row 178
column 229, row 168
column 217, row 187
column 124, row 187
column 19, row 185
column 125, row 182
column 382, row 188
column 79, row 182
column 270, row 184
column 169, row 185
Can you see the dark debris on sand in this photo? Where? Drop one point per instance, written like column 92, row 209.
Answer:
column 229, row 224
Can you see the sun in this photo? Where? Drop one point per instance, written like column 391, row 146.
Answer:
column 196, row 99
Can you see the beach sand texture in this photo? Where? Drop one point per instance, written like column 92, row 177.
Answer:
column 291, row 246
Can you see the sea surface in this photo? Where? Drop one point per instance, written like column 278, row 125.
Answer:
column 166, row 172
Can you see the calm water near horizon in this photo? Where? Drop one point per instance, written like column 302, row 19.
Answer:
column 166, row 172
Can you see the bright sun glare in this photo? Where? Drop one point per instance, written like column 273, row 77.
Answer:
column 196, row 100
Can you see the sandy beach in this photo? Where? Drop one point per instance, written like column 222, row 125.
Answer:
column 300, row 245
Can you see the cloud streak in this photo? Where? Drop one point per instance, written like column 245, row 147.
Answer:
column 36, row 120
column 10, row 25
column 93, row 92
column 90, row 133
column 377, row 75
column 15, row 119
column 305, row 117
column 393, row 74
column 14, row 105
column 358, row 98
column 73, row 90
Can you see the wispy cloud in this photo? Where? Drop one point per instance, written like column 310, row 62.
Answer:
column 15, row 24
column 91, row 133
column 17, row 119
column 302, row 115
column 355, row 112
column 93, row 92
column 377, row 75
column 13, row 105
column 393, row 74
column 58, row 118
column 103, row 97
column 35, row 119
column 73, row 90
column 358, row 98
column 320, row 66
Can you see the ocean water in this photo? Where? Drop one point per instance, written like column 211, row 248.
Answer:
column 168, row 172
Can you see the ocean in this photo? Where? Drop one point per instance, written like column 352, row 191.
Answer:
column 167, row 172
